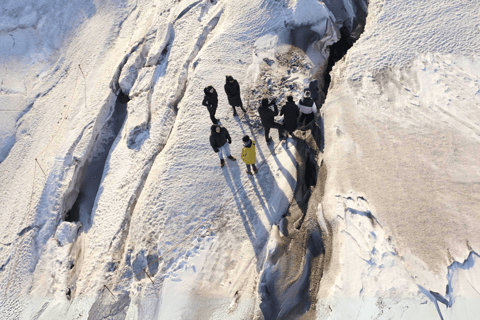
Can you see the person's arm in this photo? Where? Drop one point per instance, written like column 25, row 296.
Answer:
column 212, row 143
column 275, row 108
column 205, row 101
column 229, row 139
column 236, row 88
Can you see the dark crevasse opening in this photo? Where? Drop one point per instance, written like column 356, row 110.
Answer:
column 310, row 172
column 93, row 171
column 349, row 34
column 289, row 287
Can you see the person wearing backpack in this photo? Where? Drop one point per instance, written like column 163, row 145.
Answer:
column 249, row 155
column 308, row 108
column 210, row 100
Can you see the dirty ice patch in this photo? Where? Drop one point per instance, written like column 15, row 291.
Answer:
column 373, row 281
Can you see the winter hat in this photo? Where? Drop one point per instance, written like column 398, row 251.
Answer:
column 246, row 138
column 290, row 99
column 307, row 94
column 229, row 78
column 214, row 127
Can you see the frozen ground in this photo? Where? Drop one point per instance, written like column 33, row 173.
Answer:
column 115, row 207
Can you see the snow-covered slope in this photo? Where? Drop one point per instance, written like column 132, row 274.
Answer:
column 115, row 206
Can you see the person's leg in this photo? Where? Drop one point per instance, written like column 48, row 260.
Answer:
column 243, row 109
column 280, row 129
column 248, row 167
column 220, row 155
column 212, row 117
column 226, row 149
column 254, row 168
column 220, row 152
column 234, row 111
column 267, row 134
column 302, row 118
column 309, row 118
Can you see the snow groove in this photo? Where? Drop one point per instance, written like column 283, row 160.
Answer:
column 114, row 84
column 184, row 11
column 183, row 80
column 456, row 284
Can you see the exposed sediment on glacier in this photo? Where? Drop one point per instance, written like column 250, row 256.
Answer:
column 161, row 181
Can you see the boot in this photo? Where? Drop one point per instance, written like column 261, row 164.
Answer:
column 232, row 158
column 235, row 114
column 243, row 109
column 249, row 172
column 255, row 170
column 268, row 140
column 222, row 163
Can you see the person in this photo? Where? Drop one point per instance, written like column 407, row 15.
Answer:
column 290, row 113
column 211, row 102
column 267, row 116
column 219, row 137
column 232, row 89
column 249, row 156
column 308, row 108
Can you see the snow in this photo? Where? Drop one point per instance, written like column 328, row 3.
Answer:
column 390, row 221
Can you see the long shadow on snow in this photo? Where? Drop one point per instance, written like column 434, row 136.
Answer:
column 265, row 179
column 250, row 217
column 292, row 272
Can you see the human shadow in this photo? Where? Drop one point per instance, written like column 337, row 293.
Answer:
column 290, row 179
column 256, row 231
column 266, row 180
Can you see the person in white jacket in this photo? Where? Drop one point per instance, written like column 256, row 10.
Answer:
column 308, row 108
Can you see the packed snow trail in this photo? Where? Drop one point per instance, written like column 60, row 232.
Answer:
column 161, row 179
column 195, row 231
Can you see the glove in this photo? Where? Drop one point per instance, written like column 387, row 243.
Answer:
column 216, row 151
column 230, row 141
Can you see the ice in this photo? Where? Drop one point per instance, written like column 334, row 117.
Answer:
column 371, row 213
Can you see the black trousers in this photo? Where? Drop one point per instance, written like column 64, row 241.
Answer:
column 308, row 117
column 241, row 106
column 275, row 125
column 212, row 111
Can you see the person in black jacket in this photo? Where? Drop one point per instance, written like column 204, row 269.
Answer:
column 268, row 118
column 290, row 112
column 219, row 137
column 211, row 102
column 232, row 89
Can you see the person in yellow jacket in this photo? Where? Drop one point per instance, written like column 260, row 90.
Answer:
column 249, row 156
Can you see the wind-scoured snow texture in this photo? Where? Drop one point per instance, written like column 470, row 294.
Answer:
column 402, row 129
column 401, row 30
column 161, row 180
column 373, row 282
column 31, row 33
